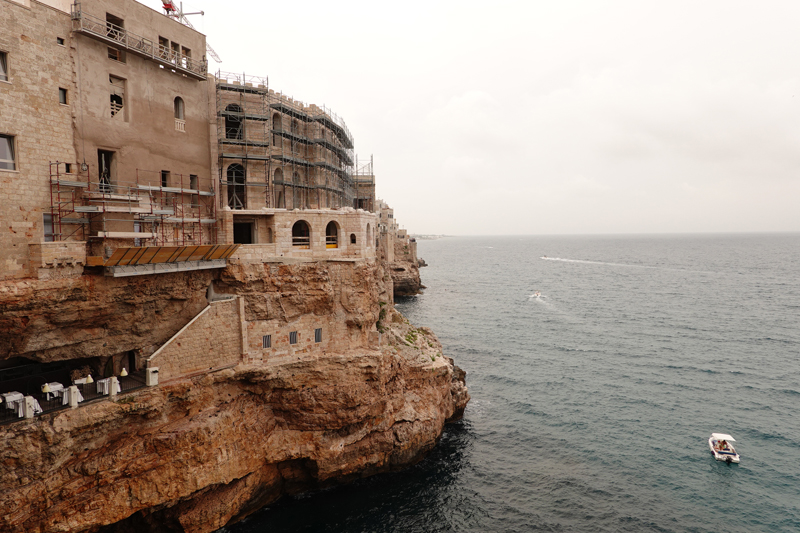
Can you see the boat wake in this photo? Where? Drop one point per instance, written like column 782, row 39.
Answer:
column 594, row 262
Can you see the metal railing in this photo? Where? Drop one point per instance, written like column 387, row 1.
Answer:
column 114, row 35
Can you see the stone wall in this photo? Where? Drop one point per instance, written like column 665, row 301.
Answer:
column 213, row 339
column 41, row 127
column 50, row 260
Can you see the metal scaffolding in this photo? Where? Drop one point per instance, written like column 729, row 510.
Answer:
column 278, row 152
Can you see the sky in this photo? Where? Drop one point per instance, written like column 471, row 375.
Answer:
column 546, row 117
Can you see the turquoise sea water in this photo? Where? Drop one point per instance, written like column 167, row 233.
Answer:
column 593, row 402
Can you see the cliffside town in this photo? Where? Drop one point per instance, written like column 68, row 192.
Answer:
column 196, row 286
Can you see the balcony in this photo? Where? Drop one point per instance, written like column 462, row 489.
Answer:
column 119, row 37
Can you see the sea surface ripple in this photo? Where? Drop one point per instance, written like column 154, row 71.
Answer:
column 592, row 401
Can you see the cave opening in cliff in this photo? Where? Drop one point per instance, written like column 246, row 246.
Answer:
column 27, row 376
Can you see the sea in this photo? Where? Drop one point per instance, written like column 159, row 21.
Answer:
column 598, row 368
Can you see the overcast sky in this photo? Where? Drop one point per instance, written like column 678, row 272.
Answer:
column 546, row 117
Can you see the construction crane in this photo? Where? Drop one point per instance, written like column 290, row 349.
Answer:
column 178, row 14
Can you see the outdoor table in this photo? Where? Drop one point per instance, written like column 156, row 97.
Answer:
column 21, row 407
column 65, row 397
column 103, row 386
column 11, row 398
column 56, row 390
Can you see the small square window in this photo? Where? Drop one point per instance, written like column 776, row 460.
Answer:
column 7, row 153
column 62, row 96
column 318, row 335
column 68, row 168
column 3, row 66
column 266, row 341
column 293, row 337
column 60, row 41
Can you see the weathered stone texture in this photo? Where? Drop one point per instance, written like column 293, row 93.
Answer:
column 42, row 127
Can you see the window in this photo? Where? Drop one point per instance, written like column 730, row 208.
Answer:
column 293, row 337
column 68, row 168
column 187, row 57
column 7, row 153
column 3, row 66
column 180, row 122
column 163, row 48
column 105, row 165
column 266, row 341
column 117, row 94
column 60, row 41
column 115, row 30
column 233, row 121
column 165, row 178
column 193, row 181
column 62, row 96
column 47, row 219
column 179, row 107
column 318, row 335
column 332, row 235
column 301, row 234
column 352, row 238
column 237, row 192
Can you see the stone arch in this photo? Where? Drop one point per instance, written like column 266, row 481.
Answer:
column 237, row 191
column 332, row 235
column 301, row 234
column 233, row 123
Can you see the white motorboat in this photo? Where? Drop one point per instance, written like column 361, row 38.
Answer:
column 722, row 449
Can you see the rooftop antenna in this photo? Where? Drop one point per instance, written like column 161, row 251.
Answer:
column 177, row 13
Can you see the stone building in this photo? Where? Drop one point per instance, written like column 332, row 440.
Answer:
column 114, row 137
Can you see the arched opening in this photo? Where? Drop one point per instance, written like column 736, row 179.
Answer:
column 369, row 233
column 269, row 235
column 301, row 234
column 237, row 192
column 277, row 123
column 352, row 238
column 296, row 193
column 179, row 112
column 277, row 180
column 332, row 235
column 233, row 123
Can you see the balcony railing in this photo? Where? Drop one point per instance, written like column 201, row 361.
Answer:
column 119, row 37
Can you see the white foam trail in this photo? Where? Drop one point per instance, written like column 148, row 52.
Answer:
column 622, row 265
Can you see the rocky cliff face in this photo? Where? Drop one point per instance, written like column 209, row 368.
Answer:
column 195, row 454
column 198, row 452
column 404, row 271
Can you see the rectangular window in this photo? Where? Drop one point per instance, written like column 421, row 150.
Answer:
column 187, row 55
column 47, row 218
column 176, row 51
column 117, row 95
column 266, row 341
column 68, row 168
column 165, row 178
column 60, row 41
column 193, row 181
column 116, row 55
column 318, row 335
column 62, row 96
column 105, row 167
column 7, row 153
column 3, row 66
column 293, row 337
column 115, row 30
column 163, row 48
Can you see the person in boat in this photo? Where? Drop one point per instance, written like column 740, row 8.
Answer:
column 723, row 446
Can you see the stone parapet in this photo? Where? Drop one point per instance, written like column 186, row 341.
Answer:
column 49, row 260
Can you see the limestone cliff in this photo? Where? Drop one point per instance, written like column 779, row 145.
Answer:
column 200, row 451
column 405, row 269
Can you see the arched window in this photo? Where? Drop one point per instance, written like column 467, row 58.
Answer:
column 233, row 122
column 179, row 108
column 369, row 234
column 277, row 181
column 301, row 234
column 277, row 123
column 352, row 238
column 332, row 235
column 237, row 191
column 296, row 191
